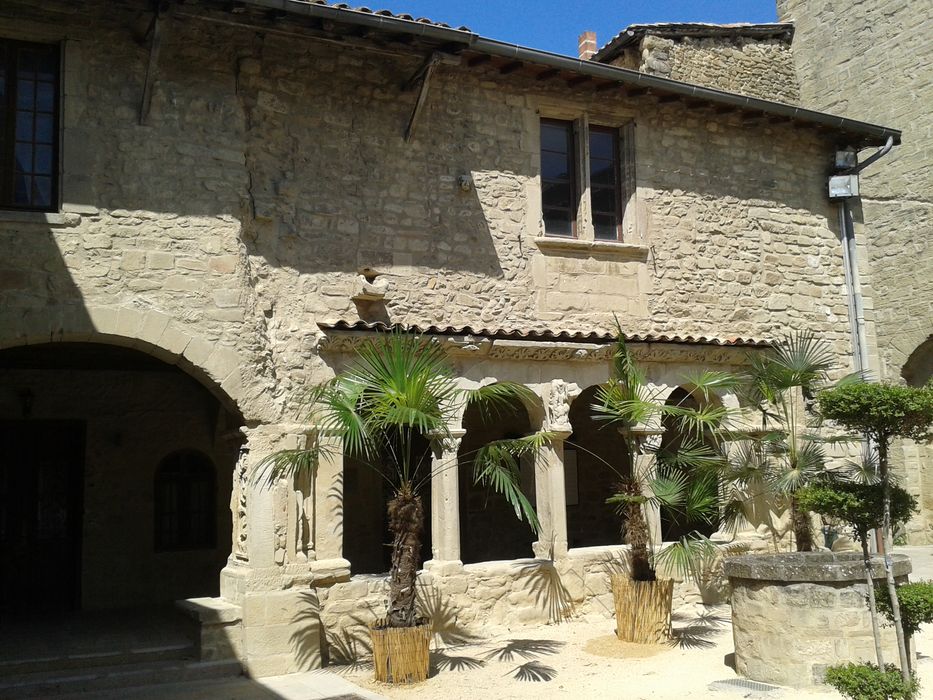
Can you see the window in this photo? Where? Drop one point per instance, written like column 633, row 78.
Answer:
column 184, row 502
column 28, row 125
column 569, row 172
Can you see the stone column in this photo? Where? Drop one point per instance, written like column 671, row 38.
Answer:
column 551, row 499
column 647, row 440
column 445, row 499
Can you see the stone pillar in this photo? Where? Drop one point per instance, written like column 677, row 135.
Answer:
column 645, row 467
column 551, row 499
column 445, row 499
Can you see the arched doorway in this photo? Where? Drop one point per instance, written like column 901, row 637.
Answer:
column 115, row 480
column 595, row 459
column 675, row 525
column 489, row 528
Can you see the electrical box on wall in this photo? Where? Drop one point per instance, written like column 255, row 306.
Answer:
column 843, row 186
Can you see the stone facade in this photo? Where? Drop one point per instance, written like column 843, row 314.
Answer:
column 756, row 66
column 268, row 188
column 871, row 58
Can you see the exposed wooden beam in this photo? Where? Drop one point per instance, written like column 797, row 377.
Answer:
column 510, row 67
column 478, row 60
column 419, row 74
column 547, row 74
column 426, row 73
column 155, row 44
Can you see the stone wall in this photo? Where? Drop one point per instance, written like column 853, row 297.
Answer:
column 761, row 68
column 869, row 59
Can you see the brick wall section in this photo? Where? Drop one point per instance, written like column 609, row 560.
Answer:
column 870, row 59
column 755, row 67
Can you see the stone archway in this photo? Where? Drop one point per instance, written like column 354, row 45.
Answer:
column 918, row 369
column 87, row 425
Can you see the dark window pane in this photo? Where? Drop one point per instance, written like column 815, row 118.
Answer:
column 2, row 84
column 555, row 194
column 45, row 97
column 604, row 227
column 21, row 188
column 25, row 94
column 555, row 137
column 47, row 64
column 44, row 128
column 604, row 200
column 26, row 67
column 557, row 223
column 602, row 172
column 24, row 157
column 602, row 145
column 43, row 160
column 555, row 166
column 24, row 126
column 42, row 191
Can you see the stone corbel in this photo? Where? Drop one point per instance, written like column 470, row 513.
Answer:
column 557, row 405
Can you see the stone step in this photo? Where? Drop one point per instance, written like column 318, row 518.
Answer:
column 92, row 659
column 88, row 680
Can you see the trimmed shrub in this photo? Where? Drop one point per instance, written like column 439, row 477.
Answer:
column 868, row 682
column 916, row 602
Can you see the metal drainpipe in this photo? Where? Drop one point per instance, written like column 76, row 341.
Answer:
column 853, row 288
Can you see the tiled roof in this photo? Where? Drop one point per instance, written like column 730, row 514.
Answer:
column 384, row 13
column 537, row 335
column 634, row 33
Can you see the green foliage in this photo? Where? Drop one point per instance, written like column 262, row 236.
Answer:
column 868, row 682
column 916, row 603
column 882, row 411
column 859, row 505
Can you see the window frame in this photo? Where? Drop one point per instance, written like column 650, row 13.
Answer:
column 622, row 129
column 10, row 51
column 575, row 189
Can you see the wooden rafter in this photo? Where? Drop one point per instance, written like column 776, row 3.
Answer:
column 161, row 16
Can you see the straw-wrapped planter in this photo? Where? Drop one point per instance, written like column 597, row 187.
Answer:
column 401, row 654
column 643, row 609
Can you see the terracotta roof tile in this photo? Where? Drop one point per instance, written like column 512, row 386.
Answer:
column 383, row 13
column 541, row 335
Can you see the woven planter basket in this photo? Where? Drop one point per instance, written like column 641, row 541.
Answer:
column 401, row 654
column 643, row 609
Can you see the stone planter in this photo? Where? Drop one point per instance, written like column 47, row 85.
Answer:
column 793, row 615
column 401, row 654
column 643, row 609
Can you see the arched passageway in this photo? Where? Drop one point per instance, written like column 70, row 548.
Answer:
column 675, row 524
column 115, row 480
column 595, row 459
column 489, row 528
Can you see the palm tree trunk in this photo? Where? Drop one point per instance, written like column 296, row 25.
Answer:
column 888, row 553
column 803, row 531
column 872, row 607
column 406, row 523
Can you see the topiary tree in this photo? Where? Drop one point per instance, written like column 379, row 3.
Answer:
column 862, row 507
column 870, row 682
column 916, row 603
column 883, row 412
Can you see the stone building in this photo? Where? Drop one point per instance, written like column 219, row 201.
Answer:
column 206, row 209
column 871, row 58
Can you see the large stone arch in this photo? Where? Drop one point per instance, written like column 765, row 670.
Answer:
column 918, row 369
column 218, row 367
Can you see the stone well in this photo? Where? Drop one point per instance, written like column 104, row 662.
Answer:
column 793, row 615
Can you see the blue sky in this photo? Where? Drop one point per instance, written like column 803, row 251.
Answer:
column 553, row 25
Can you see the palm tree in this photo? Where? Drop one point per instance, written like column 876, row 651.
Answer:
column 679, row 477
column 401, row 390
column 786, row 453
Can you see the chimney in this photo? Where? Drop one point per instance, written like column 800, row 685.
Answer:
column 586, row 46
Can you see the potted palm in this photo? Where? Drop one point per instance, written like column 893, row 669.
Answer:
column 400, row 390
column 682, row 480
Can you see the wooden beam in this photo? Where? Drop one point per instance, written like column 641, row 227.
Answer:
column 478, row 60
column 547, row 74
column 510, row 67
column 422, row 95
column 155, row 44
column 578, row 80
column 427, row 63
